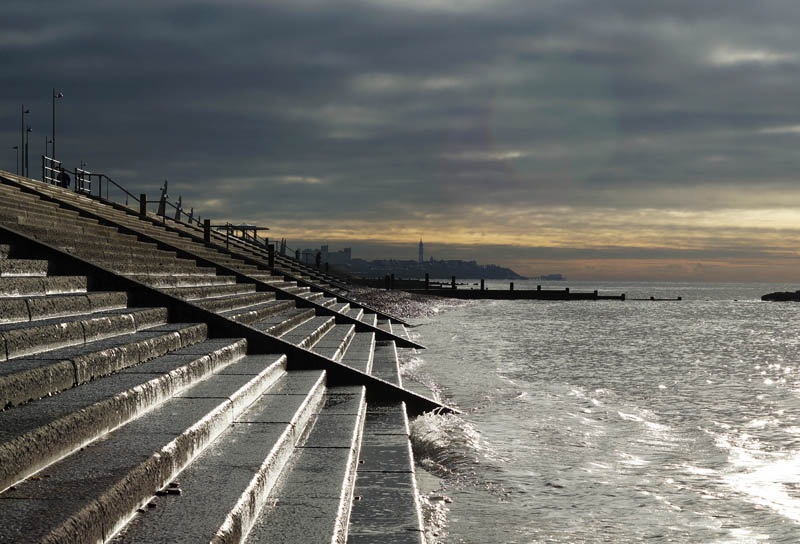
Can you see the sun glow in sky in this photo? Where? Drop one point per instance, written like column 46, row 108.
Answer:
column 603, row 140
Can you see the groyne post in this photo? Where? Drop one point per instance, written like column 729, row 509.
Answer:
column 271, row 250
column 427, row 280
column 207, row 231
column 143, row 205
column 453, row 283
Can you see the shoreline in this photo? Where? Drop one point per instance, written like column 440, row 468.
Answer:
column 404, row 304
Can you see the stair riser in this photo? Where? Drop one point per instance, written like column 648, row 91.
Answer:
column 50, row 285
column 14, row 310
column 252, row 316
column 46, row 337
column 226, row 304
column 23, row 267
column 290, row 323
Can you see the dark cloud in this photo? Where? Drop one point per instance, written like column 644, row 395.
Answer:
column 368, row 110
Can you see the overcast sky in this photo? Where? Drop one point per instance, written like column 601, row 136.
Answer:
column 622, row 139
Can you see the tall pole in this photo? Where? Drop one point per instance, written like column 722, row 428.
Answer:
column 17, row 149
column 22, row 113
column 55, row 96
column 27, row 166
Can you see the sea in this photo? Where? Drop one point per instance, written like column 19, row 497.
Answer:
column 610, row 421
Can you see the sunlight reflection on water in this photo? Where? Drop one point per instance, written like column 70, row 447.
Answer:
column 623, row 422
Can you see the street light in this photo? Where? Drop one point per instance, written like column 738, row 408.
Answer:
column 22, row 132
column 55, row 95
column 27, row 170
column 47, row 142
column 17, row 149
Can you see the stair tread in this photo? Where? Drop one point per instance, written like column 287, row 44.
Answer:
column 229, row 466
column 318, row 488
column 137, row 459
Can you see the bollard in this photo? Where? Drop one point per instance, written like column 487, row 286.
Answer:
column 453, row 283
column 207, row 231
column 511, row 286
column 427, row 280
column 652, row 298
column 271, row 250
column 143, row 205
column 481, row 285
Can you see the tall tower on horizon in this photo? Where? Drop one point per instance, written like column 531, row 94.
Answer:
column 421, row 260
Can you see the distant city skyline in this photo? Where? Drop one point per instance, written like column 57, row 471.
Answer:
column 604, row 140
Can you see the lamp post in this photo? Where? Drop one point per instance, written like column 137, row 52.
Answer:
column 47, row 142
column 16, row 147
column 55, row 96
column 23, row 111
column 27, row 169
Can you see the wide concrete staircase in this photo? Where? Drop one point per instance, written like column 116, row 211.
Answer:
column 154, row 389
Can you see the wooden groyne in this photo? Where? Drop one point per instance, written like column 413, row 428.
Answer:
column 521, row 294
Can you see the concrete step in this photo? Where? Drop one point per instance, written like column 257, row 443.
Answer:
column 23, row 267
column 339, row 307
column 41, row 374
column 68, row 239
column 384, row 362
column 201, row 277
column 138, row 458
column 258, row 312
column 312, row 503
column 241, row 466
column 334, row 343
column 370, row 319
column 360, row 352
column 209, row 291
column 235, row 302
column 386, row 506
column 35, row 286
column 280, row 323
column 21, row 339
column 355, row 313
column 307, row 334
column 384, row 324
column 21, row 309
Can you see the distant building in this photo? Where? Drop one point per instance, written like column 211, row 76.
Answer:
column 342, row 257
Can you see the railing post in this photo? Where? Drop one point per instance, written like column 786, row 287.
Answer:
column 271, row 250
column 538, row 287
column 427, row 280
column 391, row 284
column 143, row 205
column 481, row 285
column 453, row 283
column 511, row 286
column 207, row 231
